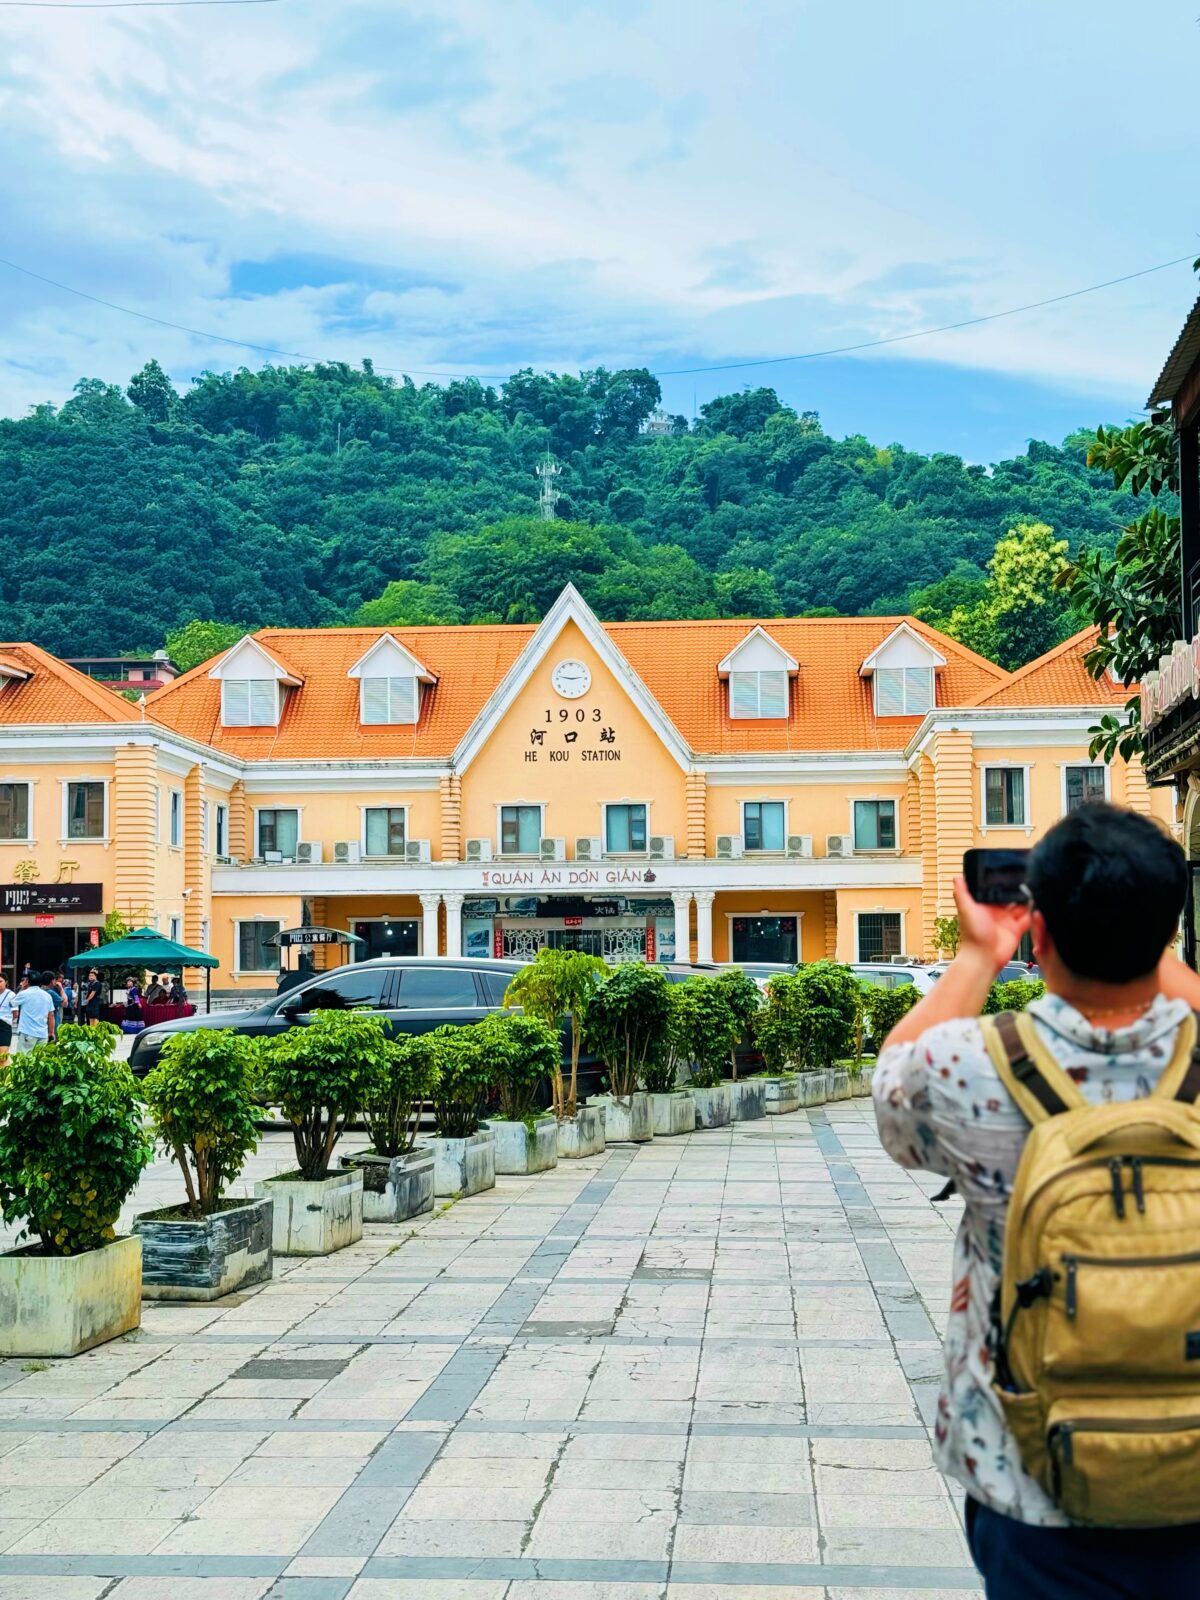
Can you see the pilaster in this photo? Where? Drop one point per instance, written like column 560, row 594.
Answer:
column 696, row 793
column 829, row 905
column 955, row 786
column 1137, row 791
column 197, row 863
column 239, row 823
column 135, row 774
column 451, row 797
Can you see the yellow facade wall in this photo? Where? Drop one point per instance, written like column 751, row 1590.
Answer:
column 336, row 815
column 808, row 905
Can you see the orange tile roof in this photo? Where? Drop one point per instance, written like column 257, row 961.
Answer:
column 831, row 704
column 54, row 692
column 1059, row 678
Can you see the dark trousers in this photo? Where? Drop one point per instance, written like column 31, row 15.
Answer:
column 1021, row 1562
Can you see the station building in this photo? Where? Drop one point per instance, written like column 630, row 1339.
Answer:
column 663, row 791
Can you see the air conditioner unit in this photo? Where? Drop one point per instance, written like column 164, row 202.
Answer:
column 308, row 854
column 416, row 851
column 272, row 858
column 589, row 849
column 662, row 847
column 223, row 861
column 479, row 849
column 347, row 851
column 729, row 846
column 839, row 844
column 799, row 846
column 552, row 849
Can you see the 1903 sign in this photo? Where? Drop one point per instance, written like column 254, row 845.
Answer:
column 55, row 899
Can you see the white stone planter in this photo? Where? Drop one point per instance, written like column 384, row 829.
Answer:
column 314, row 1217
column 464, row 1166
column 582, row 1134
column 839, row 1083
column 626, row 1121
column 522, row 1148
column 672, row 1113
column 814, row 1088
column 748, row 1099
column 714, row 1107
column 186, row 1260
column 860, row 1086
column 60, row 1305
column 783, row 1094
column 395, row 1188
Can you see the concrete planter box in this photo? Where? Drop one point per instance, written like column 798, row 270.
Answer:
column 783, row 1094
column 714, row 1107
column 748, row 1099
column 672, row 1113
column 186, row 1260
column 464, row 1166
column 314, row 1217
column 626, row 1121
column 814, row 1088
column 860, row 1086
column 521, row 1148
column 395, row 1188
column 60, row 1305
column 582, row 1134
column 839, row 1083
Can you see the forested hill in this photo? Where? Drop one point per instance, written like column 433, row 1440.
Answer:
column 294, row 495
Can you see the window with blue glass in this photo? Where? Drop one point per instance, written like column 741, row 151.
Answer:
column 624, row 829
column 763, row 824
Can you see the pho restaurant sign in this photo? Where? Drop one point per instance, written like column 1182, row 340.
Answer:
column 1177, row 679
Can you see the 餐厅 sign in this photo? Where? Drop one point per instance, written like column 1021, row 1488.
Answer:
column 1177, row 679
column 51, row 899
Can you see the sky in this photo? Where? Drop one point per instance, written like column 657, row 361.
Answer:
column 464, row 187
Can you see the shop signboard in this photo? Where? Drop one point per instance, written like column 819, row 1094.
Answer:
column 51, row 899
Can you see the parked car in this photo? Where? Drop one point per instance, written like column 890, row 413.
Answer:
column 891, row 975
column 1010, row 972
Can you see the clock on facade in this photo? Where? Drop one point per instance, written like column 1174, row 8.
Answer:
column 571, row 679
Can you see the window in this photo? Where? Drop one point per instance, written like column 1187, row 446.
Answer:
column 1004, row 797
column 903, row 691
column 204, row 935
column 758, row 694
column 176, row 834
column 278, row 831
column 773, row 939
column 624, row 829
column 255, row 951
column 384, row 827
column 221, row 838
column 520, row 830
column 763, row 824
column 205, row 837
column 85, row 811
column 878, row 935
column 1084, row 784
column 874, row 824
column 388, row 699
column 437, row 988
column 174, row 929
column 14, row 811
column 249, row 703
column 157, row 793
column 349, row 991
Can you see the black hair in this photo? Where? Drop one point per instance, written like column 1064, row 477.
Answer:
column 1111, row 885
column 45, row 979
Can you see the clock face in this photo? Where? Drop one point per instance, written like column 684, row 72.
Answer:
column 571, row 679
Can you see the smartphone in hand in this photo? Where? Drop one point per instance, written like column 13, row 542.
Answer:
column 996, row 877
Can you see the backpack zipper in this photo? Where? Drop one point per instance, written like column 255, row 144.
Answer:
column 1105, row 1161
column 1061, row 1437
column 1072, row 1263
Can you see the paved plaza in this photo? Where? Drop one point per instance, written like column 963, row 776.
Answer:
column 701, row 1369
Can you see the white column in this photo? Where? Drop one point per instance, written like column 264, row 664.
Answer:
column 704, row 905
column 429, row 923
column 454, row 905
column 681, row 899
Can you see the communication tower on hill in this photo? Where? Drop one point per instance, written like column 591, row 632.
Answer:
column 548, row 470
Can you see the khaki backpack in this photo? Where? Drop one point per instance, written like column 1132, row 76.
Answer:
column 1097, row 1335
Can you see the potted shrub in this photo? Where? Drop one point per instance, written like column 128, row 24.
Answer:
column 556, row 987
column 705, row 1030
column 322, row 1074
column 744, row 998
column 829, row 996
column 627, row 1022
column 397, row 1174
column 880, row 1011
column 523, row 1053
column 672, row 1109
column 203, row 1109
column 777, row 1032
column 464, row 1154
column 72, row 1148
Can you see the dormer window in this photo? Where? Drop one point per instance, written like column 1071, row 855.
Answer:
column 904, row 669
column 388, row 699
column 389, row 684
column 249, row 703
column 758, row 670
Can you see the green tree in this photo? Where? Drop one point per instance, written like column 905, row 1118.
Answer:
column 1023, row 613
column 203, row 1109
column 322, row 1074
column 628, row 1021
column 746, row 592
column 558, row 986
column 152, row 392
column 406, row 603
column 196, row 642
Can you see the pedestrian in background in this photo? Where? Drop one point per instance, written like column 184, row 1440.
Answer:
column 8, row 1006
column 35, row 1014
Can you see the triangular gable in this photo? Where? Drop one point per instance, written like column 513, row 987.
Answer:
column 569, row 607
column 1059, row 678
column 903, row 641
column 384, row 656
column 230, row 665
column 758, row 652
column 38, row 688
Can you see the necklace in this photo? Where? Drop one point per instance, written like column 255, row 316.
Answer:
column 1091, row 1012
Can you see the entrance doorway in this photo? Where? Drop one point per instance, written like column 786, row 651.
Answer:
column 613, row 941
column 384, row 937
column 773, row 939
column 45, row 949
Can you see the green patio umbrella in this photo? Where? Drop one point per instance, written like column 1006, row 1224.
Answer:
column 147, row 948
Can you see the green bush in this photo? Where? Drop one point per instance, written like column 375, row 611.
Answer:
column 559, row 984
column 704, row 1028
column 322, row 1074
column 1013, row 996
column 407, row 1081
column 101, row 1037
column 72, row 1146
column 883, row 1008
column 202, row 1099
column 523, row 1053
column 464, row 1079
column 745, row 1000
column 808, row 1020
column 627, row 1024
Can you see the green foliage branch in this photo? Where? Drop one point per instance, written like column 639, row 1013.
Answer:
column 465, row 1078
column 202, row 1095
column 406, row 1082
column 744, row 998
column 559, row 985
column 322, row 1074
column 705, row 1027
column 808, row 1020
column 523, row 1053
column 627, row 1022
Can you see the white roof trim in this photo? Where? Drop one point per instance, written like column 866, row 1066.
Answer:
column 868, row 666
column 277, row 671
column 11, row 670
column 758, row 632
column 419, row 670
column 569, row 607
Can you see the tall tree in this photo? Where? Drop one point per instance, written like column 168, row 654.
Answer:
column 152, row 392
column 1021, row 613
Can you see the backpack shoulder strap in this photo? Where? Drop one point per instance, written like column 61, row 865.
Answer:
column 1027, row 1069
column 1180, row 1078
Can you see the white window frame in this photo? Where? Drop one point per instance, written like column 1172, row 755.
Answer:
column 226, row 684
column 879, row 911
column 258, row 810
column 876, row 799
column 1024, row 768
column 380, row 805
column 205, row 935
column 65, row 784
column 501, row 807
column 238, row 924
column 175, row 815
column 759, row 673
column 157, row 793
column 220, row 826
column 887, row 716
column 784, row 911
column 26, row 784
column 390, row 721
column 765, row 800
column 624, row 855
column 175, row 929
column 1092, row 766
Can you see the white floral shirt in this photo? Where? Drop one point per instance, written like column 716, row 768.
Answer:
column 941, row 1107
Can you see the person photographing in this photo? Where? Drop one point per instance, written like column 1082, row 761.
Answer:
column 1072, row 1347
